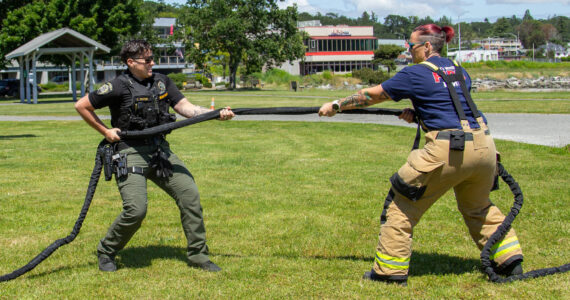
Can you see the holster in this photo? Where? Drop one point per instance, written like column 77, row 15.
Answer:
column 113, row 162
column 106, row 153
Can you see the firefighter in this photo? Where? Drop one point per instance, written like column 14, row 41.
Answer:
column 459, row 153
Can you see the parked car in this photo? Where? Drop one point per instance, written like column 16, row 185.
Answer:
column 11, row 87
column 60, row 79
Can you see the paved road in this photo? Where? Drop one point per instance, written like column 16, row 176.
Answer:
column 539, row 129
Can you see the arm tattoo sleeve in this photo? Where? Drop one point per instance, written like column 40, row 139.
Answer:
column 193, row 110
column 356, row 100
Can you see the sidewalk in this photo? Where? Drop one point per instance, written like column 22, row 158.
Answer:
column 539, row 129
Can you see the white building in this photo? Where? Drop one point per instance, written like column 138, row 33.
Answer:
column 474, row 55
column 508, row 48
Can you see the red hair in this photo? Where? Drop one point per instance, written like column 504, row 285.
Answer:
column 434, row 30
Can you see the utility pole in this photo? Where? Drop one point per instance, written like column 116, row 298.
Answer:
column 458, row 57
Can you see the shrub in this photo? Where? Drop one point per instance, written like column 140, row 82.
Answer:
column 178, row 79
column 277, row 76
column 327, row 75
column 369, row 76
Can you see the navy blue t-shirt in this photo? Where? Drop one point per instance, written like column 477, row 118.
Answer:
column 429, row 94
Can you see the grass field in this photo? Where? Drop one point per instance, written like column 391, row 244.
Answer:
column 291, row 210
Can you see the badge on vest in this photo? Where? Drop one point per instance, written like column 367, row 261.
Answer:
column 105, row 89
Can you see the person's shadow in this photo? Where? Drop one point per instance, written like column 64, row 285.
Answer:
column 141, row 257
column 421, row 263
column 426, row 263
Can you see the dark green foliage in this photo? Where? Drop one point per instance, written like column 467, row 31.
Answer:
column 386, row 54
column 178, row 79
column 369, row 76
column 240, row 28
column 105, row 21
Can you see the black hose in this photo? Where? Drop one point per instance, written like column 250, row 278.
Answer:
column 503, row 229
column 140, row 134
column 150, row 132
column 485, row 253
column 60, row 242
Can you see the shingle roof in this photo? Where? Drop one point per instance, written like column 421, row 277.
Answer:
column 63, row 38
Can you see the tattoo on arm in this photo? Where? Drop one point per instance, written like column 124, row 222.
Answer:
column 356, row 100
column 190, row 111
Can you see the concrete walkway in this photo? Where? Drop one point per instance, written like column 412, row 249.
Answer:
column 539, row 129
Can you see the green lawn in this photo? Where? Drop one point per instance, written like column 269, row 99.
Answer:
column 488, row 102
column 291, row 210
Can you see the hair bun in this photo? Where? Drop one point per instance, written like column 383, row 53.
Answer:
column 449, row 33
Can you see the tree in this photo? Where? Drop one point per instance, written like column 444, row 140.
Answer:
column 397, row 24
column 106, row 21
column 562, row 25
column 255, row 32
column 527, row 16
column 10, row 5
column 531, row 34
column 386, row 54
column 502, row 27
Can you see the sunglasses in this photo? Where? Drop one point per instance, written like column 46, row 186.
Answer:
column 411, row 45
column 147, row 60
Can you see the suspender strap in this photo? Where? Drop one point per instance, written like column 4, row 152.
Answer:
column 449, row 79
column 461, row 79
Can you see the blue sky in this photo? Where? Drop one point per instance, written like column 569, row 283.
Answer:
column 463, row 10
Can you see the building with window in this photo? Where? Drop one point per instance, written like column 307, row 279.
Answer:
column 339, row 49
column 474, row 55
column 507, row 48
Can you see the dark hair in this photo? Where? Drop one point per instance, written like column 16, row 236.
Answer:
column 134, row 48
column 437, row 36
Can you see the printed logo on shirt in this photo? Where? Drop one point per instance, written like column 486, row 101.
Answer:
column 448, row 71
column 105, row 89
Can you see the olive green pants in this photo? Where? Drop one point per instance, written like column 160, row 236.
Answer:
column 133, row 188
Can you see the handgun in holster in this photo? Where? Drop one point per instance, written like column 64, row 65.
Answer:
column 106, row 153
column 120, row 165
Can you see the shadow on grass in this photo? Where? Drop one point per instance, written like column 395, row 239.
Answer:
column 17, row 136
column 426, row 263
column 420, row 264
column 141, row 257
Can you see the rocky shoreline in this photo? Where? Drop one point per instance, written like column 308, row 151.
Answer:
column 541, row 83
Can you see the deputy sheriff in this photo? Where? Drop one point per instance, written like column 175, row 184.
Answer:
column 459, row 153
column 140, row 99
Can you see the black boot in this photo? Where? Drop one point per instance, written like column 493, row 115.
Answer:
column 510, row 268
column 206, row 266
column 397, row 279
column 106, row 263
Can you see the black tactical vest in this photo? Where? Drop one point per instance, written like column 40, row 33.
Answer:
column 149, row 107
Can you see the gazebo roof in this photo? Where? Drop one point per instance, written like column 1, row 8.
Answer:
column 65, row 40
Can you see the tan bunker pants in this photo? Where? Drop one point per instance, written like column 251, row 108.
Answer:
column 426, row 176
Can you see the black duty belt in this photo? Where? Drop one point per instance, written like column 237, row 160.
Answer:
column 445, row 135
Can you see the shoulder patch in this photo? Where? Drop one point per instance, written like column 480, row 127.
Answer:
column 105, row 89
column 161, row 87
